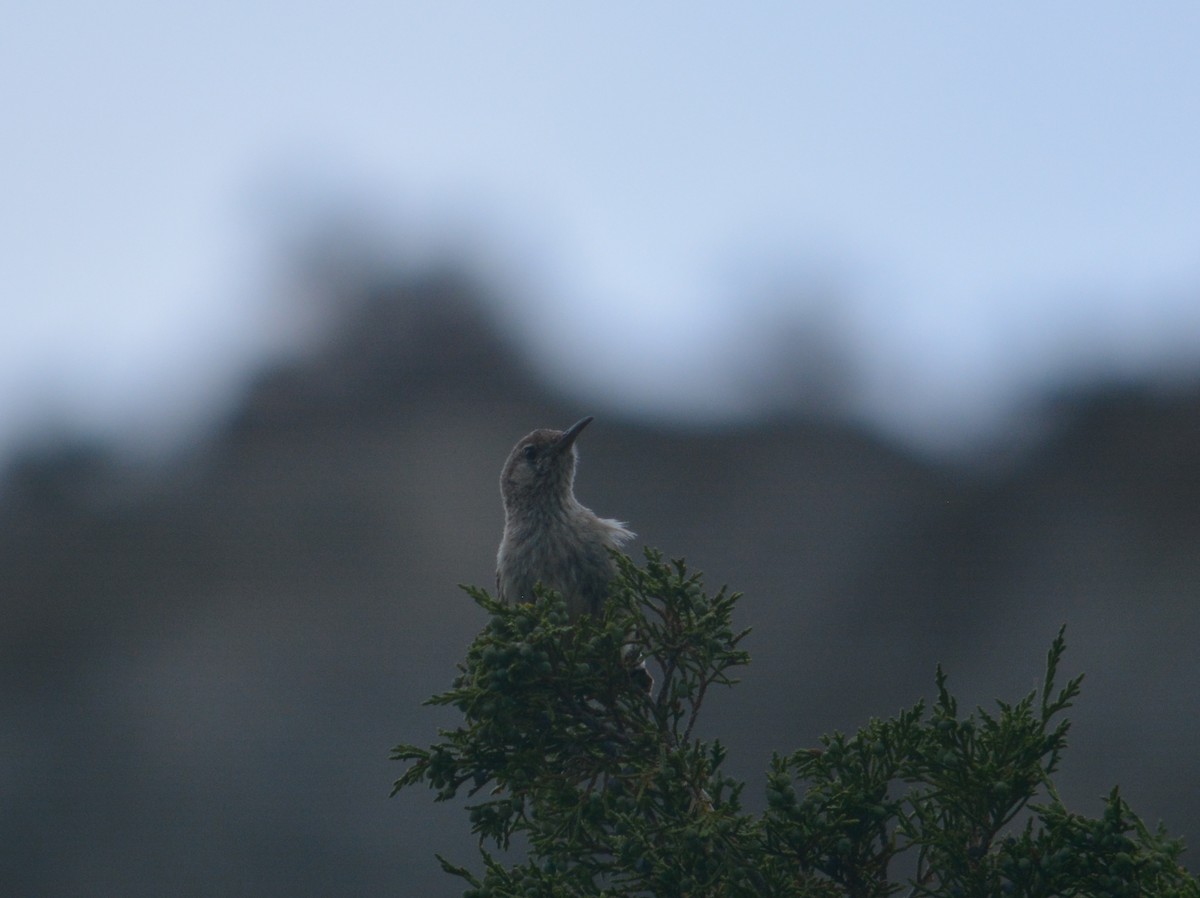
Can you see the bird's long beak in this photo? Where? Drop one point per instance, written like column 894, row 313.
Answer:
column 569, row 435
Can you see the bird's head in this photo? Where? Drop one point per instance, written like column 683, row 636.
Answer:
column 540, row 470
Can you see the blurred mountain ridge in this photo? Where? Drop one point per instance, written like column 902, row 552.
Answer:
column 200, row 678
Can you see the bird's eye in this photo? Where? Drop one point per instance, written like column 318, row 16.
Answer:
column 530, row 453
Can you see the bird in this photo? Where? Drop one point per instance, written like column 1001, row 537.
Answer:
column 549, row 537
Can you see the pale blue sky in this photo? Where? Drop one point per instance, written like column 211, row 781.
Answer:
column 987, row 195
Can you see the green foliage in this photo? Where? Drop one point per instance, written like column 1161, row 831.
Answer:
column 594, row 778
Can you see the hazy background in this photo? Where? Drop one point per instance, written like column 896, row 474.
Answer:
column 889, row 317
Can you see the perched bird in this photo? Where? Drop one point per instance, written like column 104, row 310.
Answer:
column 549, row 538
